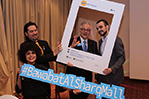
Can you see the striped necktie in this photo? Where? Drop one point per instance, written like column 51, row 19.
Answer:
column 40, row 48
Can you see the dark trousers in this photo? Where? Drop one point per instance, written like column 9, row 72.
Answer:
column 110, row 86
column 81, row 95
column 38, row 97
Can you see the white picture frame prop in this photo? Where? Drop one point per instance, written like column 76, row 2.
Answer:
column 85, row 60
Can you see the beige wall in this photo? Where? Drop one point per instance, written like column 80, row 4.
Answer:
column 124, row 34
column 139, row 38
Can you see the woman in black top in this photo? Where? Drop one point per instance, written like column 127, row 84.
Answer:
column 31, row 89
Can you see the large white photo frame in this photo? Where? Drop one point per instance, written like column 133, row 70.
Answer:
column 88, row 61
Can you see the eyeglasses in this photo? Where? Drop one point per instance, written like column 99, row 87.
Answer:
column 83, row 29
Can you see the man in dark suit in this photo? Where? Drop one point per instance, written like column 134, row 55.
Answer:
column 89, row 46
column 114, row 73
column 46, row 54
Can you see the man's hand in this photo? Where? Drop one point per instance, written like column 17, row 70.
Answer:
column 57, row 50
column 74, row 43
column 107, row 71
column 76, row 91
column 69, row 64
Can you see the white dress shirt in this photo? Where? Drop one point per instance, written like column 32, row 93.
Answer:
column 102, row 47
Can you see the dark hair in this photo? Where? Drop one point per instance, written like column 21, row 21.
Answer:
column 26, row 47
column 103, row 20
column 26, row 26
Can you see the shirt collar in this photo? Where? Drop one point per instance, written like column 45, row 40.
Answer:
column 31, row 40
column 104, row 39
column 83, row 40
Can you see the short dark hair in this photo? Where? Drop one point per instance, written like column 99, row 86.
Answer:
column 26, row 26
column 26, row 47
column 103, row 20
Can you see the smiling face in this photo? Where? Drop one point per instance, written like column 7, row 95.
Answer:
column 30, row 57
column 102, row 29
column 32, row 33
column 85, row 30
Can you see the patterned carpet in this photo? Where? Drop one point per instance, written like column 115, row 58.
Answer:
column 134, row 89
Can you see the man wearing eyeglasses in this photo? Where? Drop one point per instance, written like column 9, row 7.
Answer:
column 83, row 43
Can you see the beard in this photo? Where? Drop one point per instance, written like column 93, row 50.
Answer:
column 103, row 33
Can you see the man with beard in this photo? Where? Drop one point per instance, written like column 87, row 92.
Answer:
column 114, row 73
column 87, row 45
column 46, row 54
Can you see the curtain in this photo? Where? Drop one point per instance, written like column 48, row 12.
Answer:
column 5, row 81
column 49, row 15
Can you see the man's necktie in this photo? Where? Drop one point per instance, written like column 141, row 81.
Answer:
column 84, row 46
column 40, row 48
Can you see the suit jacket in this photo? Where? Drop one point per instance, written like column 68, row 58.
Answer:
column 48, row 53
column 92, row 48
column 116, row 64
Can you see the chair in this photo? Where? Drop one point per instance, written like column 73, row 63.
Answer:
column 58, row 89
column 8, row 97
